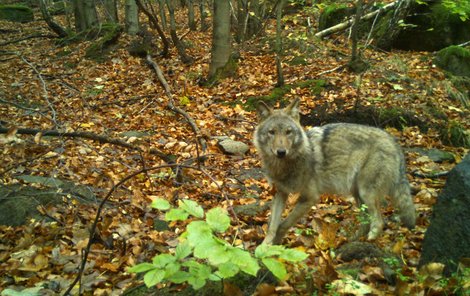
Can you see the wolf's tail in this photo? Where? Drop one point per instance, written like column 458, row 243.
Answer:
column 402, row 200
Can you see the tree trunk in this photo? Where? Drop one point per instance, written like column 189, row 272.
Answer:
column 221, row 47
column 161, row 7
column 85, row 13
column 91, row 15
column 50, row 22
column 254, row 23
column 132, row 17
column 191, row 19
column 203, row 16
column 242, row 16
column 174, row 37
column 154, row 23
column 278, row 49
column 111, row 13
column 356, row 64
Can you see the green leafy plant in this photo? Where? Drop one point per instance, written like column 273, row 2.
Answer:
column 395, row 264
column 364, row 216
column 201, row 255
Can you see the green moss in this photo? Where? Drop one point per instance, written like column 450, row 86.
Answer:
column 454, row 59
column 393, row 116
column 16, row 13
column 229, row 70
column 298, row 60
column 277, row 94
column 111, row 33
column 333, row 14
column 456, row 135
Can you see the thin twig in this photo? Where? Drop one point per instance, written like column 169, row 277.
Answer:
column 44, row 88
column 171, row 104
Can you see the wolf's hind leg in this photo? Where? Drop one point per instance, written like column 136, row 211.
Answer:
column 372, row 202
column 301, row 208
column 277, row 207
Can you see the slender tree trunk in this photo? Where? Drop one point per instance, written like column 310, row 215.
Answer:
column 132, row 17
column 174, row 37
column 50, row 22
column 161, row 7
column 79, row 14
column 280, row 75
column 111, row 13
column 154, row 22
column 356, row 64
column 203, row 16
column 221, row 47
column 354, row 30
column 85, row 14
column 242, row 16
column 191, row 20
column 91, row 15
column 255, row 16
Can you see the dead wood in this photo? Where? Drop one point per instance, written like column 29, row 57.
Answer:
column 89, row 136
column 349, row 22
column 171, row 104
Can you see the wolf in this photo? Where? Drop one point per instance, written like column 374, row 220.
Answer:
column 339, row 158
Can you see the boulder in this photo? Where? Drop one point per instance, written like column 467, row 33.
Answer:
column 447, row 238
column 432, row 26
column 229, row 146
column 454, row 59
column 16, row 13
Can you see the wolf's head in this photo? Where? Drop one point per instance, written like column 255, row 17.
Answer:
column 279, row 132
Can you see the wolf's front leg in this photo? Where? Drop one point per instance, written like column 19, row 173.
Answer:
column 302, row 207
column 277, row 207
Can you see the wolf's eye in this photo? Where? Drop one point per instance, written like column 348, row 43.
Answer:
column 288, row 132
column 271, row 132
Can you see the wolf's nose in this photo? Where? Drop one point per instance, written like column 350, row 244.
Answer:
column 281, row 153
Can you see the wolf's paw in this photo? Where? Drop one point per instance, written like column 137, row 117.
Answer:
column 268, row 240
column 374, row 233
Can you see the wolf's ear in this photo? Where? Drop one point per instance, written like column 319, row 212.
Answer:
column 263, row 110
column 293, row 110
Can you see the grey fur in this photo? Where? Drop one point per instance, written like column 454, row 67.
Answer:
column 336, row 158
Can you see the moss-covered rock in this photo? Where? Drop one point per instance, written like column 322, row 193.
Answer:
column 111, row 33
column 454, row 59
column 334, row 14
column 16, row 13
column 277, row 94
column 432, row 27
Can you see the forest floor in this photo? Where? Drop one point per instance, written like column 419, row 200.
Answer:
column 50, row 87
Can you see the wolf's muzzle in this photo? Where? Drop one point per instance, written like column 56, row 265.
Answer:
column 281, row 153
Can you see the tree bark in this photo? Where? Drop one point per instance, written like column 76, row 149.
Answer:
column 221, row 47
column 154, row 21
column 280, row 76
column 111, row 13
column 191, row 19
column 132, row 17
column 85, row 13
column 185, row 58
column 50, row 22
column 203, row 16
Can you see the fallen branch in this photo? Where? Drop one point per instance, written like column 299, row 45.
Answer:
column 171, row 105
column 28, row 37
column 90, row 136
column 349, row 22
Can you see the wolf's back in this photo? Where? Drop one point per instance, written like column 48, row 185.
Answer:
column 354, row 158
